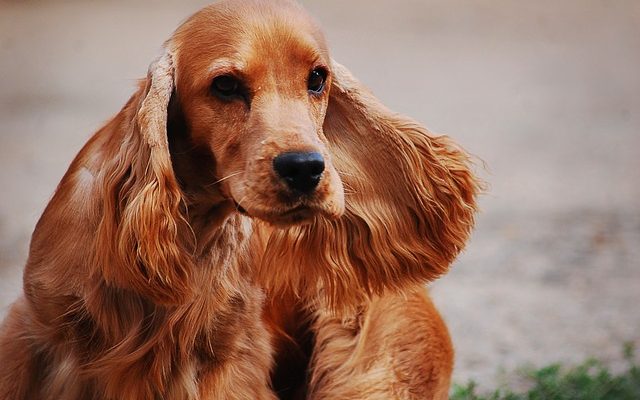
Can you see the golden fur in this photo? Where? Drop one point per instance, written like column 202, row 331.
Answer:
column 148, row 270
column 355, row 282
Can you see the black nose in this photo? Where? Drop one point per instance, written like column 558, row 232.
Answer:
column 301, row 171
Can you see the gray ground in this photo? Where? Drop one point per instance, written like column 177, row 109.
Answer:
column 547, row 93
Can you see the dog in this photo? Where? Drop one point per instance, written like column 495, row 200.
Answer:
column 247, row 164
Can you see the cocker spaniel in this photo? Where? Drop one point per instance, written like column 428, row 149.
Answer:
column 253, row 224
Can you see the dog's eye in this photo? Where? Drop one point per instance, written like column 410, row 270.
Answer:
column 316, row 81
column 227, row 87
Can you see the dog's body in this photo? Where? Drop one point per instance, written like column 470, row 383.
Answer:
column 220, row 181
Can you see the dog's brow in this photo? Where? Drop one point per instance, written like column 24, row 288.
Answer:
column 225, row 65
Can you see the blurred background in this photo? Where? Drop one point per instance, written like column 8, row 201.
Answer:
column 546, row 92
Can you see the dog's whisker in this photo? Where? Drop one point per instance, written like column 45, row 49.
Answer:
column 348, row 187
column 348, row 174
column 239, row 203
column 225, row 178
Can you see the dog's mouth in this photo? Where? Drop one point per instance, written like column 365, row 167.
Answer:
column 286, row 208
column 298, row 214
column 296, row 209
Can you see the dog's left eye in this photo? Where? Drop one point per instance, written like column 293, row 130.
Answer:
column 316, row 81
column 227, row 87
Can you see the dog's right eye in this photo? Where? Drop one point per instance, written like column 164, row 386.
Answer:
column 227, row 87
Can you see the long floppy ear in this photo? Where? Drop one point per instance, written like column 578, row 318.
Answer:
column 142, row 240
column 410, row 205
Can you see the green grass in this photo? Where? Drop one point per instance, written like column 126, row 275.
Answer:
column 588, row 381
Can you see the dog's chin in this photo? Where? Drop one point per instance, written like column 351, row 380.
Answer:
column 300, row 215
column 284, row 217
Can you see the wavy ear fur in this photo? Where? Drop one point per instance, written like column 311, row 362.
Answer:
column 410, row 205
column 140, row 243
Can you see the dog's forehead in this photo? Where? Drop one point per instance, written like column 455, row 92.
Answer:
column 248, row 33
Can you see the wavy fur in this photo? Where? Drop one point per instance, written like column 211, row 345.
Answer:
column 345, row 298
column 124, row 298
column 142, row 240
column 409, row 211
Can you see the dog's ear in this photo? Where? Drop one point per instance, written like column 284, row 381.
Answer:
column 410, row 205
column 141, row 239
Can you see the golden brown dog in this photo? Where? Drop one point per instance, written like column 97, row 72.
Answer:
column 222, row 176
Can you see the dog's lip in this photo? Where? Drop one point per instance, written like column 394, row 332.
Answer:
column 296, row 209
column 299, row 214
column 300, row 208
column 294, row 214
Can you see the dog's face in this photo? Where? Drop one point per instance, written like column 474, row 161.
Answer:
column 254, row 92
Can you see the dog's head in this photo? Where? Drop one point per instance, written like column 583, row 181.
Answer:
column 252, row 85
column 230, row 118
